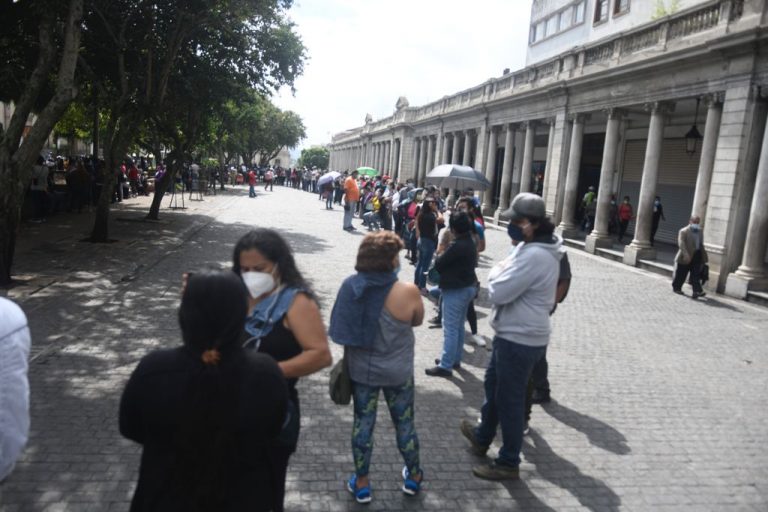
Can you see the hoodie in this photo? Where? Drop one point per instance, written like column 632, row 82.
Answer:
column 358, row 306
column 522, row 290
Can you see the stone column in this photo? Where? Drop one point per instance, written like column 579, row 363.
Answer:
column 467, row 148
column 641, row 248
column 416, row 158
column 398, row 157
column 548, row 168
column 385, row 170
column 486, row 197
column 517, row 164
column 525, row 177
column 481, row 147
column 430, row 155
column 446, row 158
column 392, row 157
column 707, row 160
column 455, row 148
column 599, row 237
column 506, row 172
column 751, row 273
column 422, row 162
column 568, row 227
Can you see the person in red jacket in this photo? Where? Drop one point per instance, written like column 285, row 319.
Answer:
column 625, row 215
column 252, row 183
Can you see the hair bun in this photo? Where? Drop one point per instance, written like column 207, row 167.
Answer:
column 211, row 356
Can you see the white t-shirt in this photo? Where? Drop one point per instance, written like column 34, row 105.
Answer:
column 14, row 385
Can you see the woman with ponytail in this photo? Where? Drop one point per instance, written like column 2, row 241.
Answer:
column 206, row 413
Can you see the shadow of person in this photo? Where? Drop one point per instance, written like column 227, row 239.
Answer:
column 591, row 492
column 599, row 433
column 714, row 303
column 522, row 494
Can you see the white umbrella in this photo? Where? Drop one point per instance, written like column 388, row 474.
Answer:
column 457, row 177
column 327, row 178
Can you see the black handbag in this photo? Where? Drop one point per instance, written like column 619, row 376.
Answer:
column 340, row 385
column 705, row 273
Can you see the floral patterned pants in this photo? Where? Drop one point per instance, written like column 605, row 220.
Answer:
column 400, row 403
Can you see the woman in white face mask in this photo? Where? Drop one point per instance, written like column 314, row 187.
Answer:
column 283, row 321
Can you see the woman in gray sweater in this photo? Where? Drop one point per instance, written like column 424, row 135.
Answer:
column 522, row 290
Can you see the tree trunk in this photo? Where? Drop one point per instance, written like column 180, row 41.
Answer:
column 96, row 131
column 16, row 160
column 114, row 151
column 11, row 196
column 172, row 170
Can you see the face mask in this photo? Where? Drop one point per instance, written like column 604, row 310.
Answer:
column 695, row 227
column 657, row 203
column 258, row 283
column 397, row 269
column 516, row 232
column 626, row 202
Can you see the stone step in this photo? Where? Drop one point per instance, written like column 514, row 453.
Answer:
column 656, row 267
column 611, row 254
column 756, row 297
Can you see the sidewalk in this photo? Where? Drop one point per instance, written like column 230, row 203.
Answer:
column 659, row 400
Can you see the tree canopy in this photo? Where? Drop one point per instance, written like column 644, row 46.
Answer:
column 315, row 156
column 178, row 74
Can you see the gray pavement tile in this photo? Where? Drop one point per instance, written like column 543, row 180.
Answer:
column 659, row 401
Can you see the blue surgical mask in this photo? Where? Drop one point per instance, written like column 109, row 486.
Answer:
column 515, row 232
column 695, row 227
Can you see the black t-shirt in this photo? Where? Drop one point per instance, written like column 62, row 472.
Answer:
column 428, row 226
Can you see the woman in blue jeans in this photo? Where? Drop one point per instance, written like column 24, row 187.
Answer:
column 426, row 232
column 456, row 267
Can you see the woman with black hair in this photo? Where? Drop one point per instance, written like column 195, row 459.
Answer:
column 284, row 322
column 456, row 266
column 206, row 413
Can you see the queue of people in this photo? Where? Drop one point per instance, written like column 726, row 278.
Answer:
column 219, row 416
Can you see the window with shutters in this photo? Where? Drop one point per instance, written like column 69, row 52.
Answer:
column 601, row 11
column 620, row 7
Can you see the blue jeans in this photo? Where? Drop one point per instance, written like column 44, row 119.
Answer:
column 426, row 251
column 349, row 210
column 455, row 304
column 329, row 200
column 251, row 191
column 506, row 381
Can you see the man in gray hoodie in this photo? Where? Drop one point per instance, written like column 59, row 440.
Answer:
column 522, row 290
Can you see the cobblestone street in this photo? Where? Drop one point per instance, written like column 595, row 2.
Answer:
column 659, row 402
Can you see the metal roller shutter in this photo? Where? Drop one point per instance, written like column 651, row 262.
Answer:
column 676, row 185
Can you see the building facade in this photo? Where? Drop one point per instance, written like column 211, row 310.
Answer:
column 615, row 109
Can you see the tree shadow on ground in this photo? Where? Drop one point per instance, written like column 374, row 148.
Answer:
column 599, row 433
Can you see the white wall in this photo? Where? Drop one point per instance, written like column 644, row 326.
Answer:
column 640, row 12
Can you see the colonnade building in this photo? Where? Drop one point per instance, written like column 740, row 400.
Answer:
column 615, row 96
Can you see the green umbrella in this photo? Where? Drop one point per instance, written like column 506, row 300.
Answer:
column 367, row 171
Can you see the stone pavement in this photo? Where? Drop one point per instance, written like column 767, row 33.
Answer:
column 659, row 403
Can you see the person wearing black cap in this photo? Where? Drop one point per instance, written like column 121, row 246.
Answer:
column 522, row 290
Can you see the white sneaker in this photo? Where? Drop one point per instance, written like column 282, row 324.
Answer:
column 479, row 340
